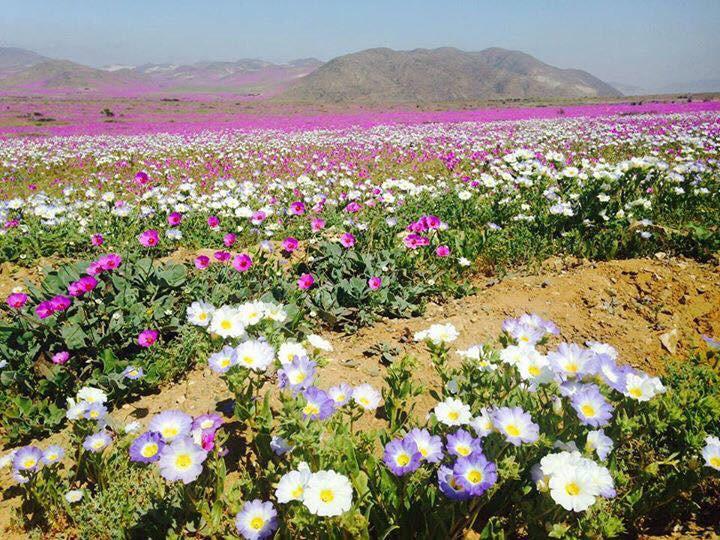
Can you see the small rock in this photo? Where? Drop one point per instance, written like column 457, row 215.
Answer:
column 669, row 340
column 181, row 399
column 545, row 284
column 660, row 255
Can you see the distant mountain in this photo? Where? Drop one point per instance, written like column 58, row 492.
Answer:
column 699, row 87
column 30, row 73
column 629, row 89
column 441, row 75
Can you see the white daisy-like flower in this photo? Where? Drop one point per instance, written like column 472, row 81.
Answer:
column 254, row 354
column 319, row 343
column 328, row 494
column 291, row 486
column 289, row 350
column 452, row 412
column 91, row 395
column 366, row 396
column 226, row 322
column 200, row 313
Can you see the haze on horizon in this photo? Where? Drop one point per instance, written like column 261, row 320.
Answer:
column 644, row 43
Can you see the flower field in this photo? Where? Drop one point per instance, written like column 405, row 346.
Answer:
column 179, row 309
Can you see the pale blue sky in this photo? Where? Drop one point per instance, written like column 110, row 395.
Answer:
column 640, row 42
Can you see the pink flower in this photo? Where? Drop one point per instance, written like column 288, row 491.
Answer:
column 297, row 208
column 97, row 240
column 347, row 240
column 111, row 261
column 174, row 219
column 414, row 241
column 202, row 262
column 149, row 238
column 317, row 224
column 213, row 222
column 258, row 217
column 147, row 338
column 242, row 262
column 207, row 440
column 353, row 208
column 94, row 268
column 44, row 310
column 290, row 244
column 306, row 281
column 60, row 357
column 442, row 251
column 17, row 300
column 222, row 256
column 11, row 223
column 60, row 303
column 229, row 239
column 375, row 283
column 141, row 178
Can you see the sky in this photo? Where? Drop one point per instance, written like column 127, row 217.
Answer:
column 644, row 43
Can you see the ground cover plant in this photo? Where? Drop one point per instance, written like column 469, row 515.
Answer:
column 235, row 250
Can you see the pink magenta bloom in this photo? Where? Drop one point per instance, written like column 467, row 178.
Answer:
column 306, row 281
column 174, row 219
column 317, row 224
column 375, row 283
column 141, row 178
column 147, row 338
column 242, row 262
column 297, row 208
column 60, row 303
column 111, row 261
column 97, row 240
column 149, row 238
column 17, row 300
column 222, row 256
column 442, row 251
column 290, row 244
column 60, row 358
column 213, row 222
column 229, row 239
column 353, row 208
column 347, row 240
column 44, row 310
column 202, row 262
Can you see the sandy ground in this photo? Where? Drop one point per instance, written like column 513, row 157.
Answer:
column 649, row 309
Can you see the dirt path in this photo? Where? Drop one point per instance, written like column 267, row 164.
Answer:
column 646, row 308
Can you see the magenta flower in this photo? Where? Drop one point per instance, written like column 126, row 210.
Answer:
column 242, row 262
column 147, row 338
column 44, row 310
column 111, row 261
column 202, row 262
column 347, row 240
column 60, row 303
column 222, row 256
column 290, row 244
column 353, row 208
column 297, row 208
column 258, row 217
column 442, row 251
column 213, row 222
column 97, row 240
column 60, row 357
column 317, row 224
column 174, row 219
column 375, row 283
column 229, row 240
column 141, row 178
column 306, row 281
column 17, row 300
column 149, row 238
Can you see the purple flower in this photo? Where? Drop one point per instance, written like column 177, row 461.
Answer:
column 442, row 251
column 242, row 262
column 347, row 240
column 95, row 411
column 340, row 394
column 97, row 442
column 17, row 300
column 181, row 460
column 60, row 303
column 202, row 262
column 402, row 456
column 53, row 454
column 207, row 422
column 429, row 446
column 60, row 357
column 515, row 425
column 171, row 424
column 375, row 283
column 174, row 219
column 298, row 374
column 149, row 238
column 27, row 458
column 44, row 310
column 449, row 486
column 133, row 373
column 290, row 244
column 591, row 407
column 475, row 474
column 462, row 444
column 256, row 520
column 318, row 405
column 147, row 338
column 712, row 343
column 571, row 360
column 147, row 447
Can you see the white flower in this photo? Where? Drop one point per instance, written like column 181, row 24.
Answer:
column 251, row 313
column 200, row 313
column 275, row 312
column 573, row 488
column 438, row 334
column 642, row 387
column 482, row 423
column 535, row 367
column 711, row 453
column 599, row 443
column 366, row 396
column 91, row 395
column 75, row 410
column 319, row 343
column 132, row 427
column 291, row 486
column 289, row 350
column 452, row 412
column 74, row 495
column 255, row 355
column 226, row 323
column 328, row 494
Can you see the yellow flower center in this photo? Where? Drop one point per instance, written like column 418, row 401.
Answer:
column 524, row 339
column 572, row 489
column 715, row 462
column 225, row 362
column 169, row 432
column 463, row 450
column 327, row 495
column 364, row 401
column 571, row 368
column 588, row 410
column 249, row 360
column 51, row 457
column 94, row 414
column 475, row 476
column 635, row 392
column 98, row 443
column 340, row 398
column 257, row 523
column 454, row 415
column 183, row 461
column 206, row 424
column 202, row 316
column 402, row 459
column 297, row 492
column 29, row 463
column 512, row 430
column 534, row 371
column 226, row 325
column 311, row 409
column 149, row 450
column 298, row 377
column 423, row 451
